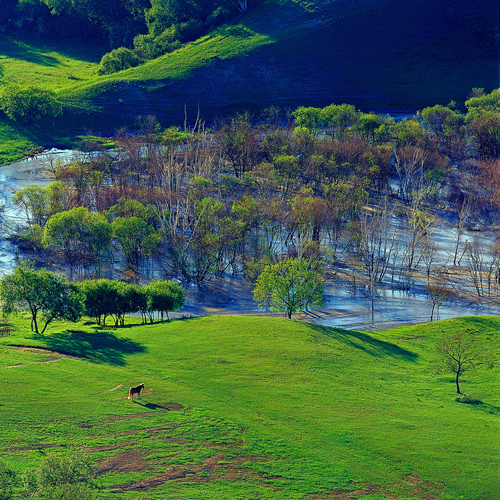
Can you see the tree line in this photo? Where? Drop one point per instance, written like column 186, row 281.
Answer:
column 48, row 296
column 354, row 191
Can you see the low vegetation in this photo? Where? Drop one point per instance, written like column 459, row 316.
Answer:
column 239, row 407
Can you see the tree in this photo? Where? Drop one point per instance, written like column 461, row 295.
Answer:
column 34, row 201
column 8, row 479
column 164, row 296
column 29, row 104
column 438, row 294
column 290, row 286
column 71, row 477
column 136, row 239
column 80, row 234
column 461, row 352
column 100, row 299
column 40, row 291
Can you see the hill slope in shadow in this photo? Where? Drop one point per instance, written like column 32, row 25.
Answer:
column 382, row 55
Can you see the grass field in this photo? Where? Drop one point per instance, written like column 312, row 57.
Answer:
column 248, row 408
column 383, row 55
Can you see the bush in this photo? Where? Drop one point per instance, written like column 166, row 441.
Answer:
column 8, row 479
column 118, row 60
column 62, row 478
column 29, row 104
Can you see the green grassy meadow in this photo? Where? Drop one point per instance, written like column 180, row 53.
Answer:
column 253, row 407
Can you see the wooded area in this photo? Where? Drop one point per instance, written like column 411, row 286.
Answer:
column 357, row 192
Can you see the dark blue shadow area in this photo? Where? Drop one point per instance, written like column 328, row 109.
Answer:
column 365, row 343
column 99, row 347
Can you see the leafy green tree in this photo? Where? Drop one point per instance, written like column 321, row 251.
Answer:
column 136, row 239
column 117, row 60
column 8, row 479
column 290, row 286
column 71, row 477
column 34, row 201
column 66, row 230
column 99, row 299
column 29, row 104
column 164, row 296
column 40, row 292
column 80, row 234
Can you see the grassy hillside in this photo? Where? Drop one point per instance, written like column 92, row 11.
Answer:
column 376, row 54
column 239, row 407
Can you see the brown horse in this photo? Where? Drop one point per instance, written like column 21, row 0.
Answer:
column 135, row 391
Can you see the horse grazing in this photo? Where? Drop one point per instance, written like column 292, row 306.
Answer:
column 135, row 391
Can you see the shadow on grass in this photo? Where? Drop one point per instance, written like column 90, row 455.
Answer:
column 149, row 406
column 101, row 347
column 479, row 405
column 366, row 343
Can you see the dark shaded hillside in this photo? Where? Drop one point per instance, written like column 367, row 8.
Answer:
column 379, row 55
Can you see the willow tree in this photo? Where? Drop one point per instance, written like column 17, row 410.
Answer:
column 290, row 286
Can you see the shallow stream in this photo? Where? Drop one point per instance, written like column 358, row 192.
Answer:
column 345, row 307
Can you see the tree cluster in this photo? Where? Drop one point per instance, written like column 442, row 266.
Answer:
column 50, row 296
column 346, row 188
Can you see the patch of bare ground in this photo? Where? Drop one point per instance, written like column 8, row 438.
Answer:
column 41, row 350
column 16, row 366
column 127, row 461
column 119, row 386
column 151, row 430
column 421, row 488
column 41, row 446
column 112, row 447
column 215, row 467
column 50, row 359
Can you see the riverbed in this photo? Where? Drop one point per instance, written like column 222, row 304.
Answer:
column 345, row 306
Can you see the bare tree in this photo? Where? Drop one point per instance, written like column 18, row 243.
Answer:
column 463, row 214
column 475, row 265
column 378, row 237
column 438, row 294
column 419, row 229
column 459, row 353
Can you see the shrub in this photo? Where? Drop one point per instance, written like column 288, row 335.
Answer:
column 117, row 60
column 29, row 104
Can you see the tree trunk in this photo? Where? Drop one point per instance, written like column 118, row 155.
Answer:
column 456, row 382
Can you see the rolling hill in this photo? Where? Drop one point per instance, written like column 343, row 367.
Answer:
column 261, row 408
column 383, row 55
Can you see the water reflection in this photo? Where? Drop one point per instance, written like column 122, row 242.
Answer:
column 345, row 307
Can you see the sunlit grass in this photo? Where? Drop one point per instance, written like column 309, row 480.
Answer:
column 305, row 408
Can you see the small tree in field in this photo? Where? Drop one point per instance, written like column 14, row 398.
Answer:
column 460, row 353
column 290, row 286
column 72, row 477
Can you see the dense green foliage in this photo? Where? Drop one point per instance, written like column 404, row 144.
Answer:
column 104, row 297
column 29, row 104
column 239, row 407
column 117, row 60
column 290, row 286
column 40, row 292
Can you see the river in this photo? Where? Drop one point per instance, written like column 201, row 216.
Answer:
column 345, row 307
